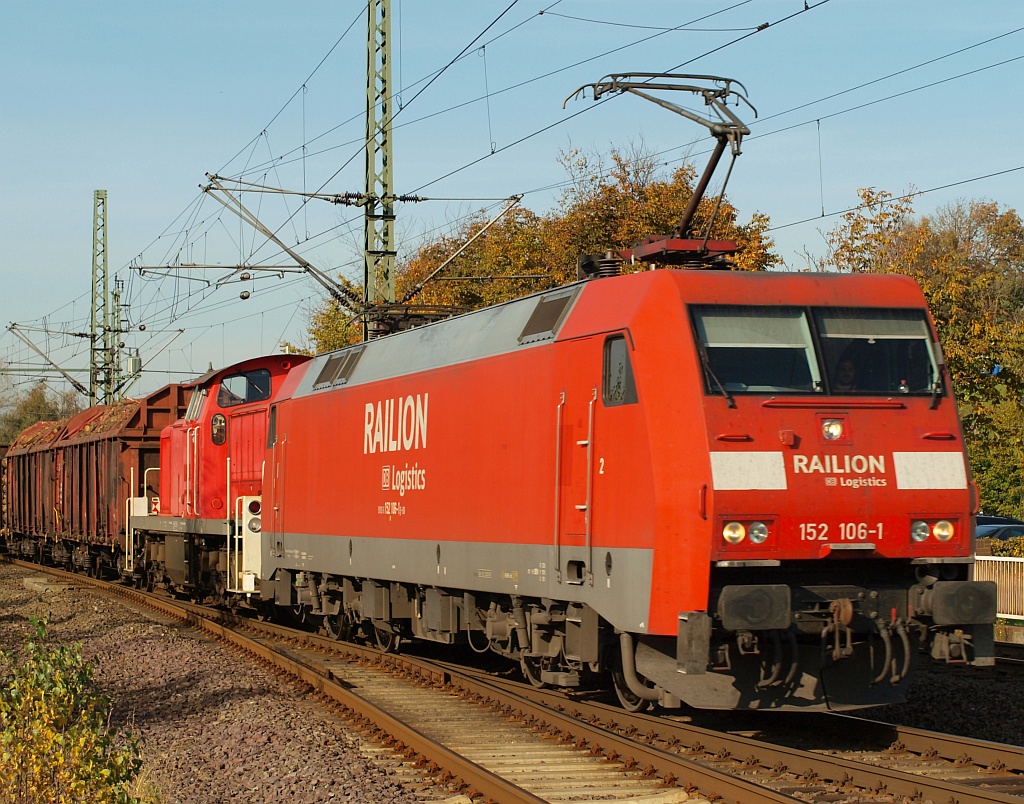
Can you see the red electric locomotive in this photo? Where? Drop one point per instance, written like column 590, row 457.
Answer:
column 667, row 476
column 737, row 490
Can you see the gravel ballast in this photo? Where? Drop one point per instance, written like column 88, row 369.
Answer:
column 218, row 728
column 215, row 727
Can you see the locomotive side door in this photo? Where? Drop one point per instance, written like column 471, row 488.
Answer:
column 247, row 439
column 576, row 409
column 277, row 441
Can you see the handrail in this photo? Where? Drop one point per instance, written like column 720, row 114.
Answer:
column 558, row 487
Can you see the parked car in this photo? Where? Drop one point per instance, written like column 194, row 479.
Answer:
column 1008, row 529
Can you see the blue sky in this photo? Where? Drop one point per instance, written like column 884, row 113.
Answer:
column 143, row 99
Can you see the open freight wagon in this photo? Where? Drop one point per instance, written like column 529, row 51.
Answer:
column 67, row 482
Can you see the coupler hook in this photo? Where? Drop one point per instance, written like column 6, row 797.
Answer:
column 842, row 615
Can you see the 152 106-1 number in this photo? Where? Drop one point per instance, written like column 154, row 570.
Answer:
column 847, row 531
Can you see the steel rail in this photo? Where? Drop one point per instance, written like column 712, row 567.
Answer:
column 718, row 786
column 593, row 725
column 837, row 770
column 475, row 777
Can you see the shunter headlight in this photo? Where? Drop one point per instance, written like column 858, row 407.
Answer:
column 758, row 532
column 254, row 524
column 832, row 429
column 943, row 530
column 919, row 531
column 734, row 532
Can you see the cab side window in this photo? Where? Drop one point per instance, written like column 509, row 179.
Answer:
column 619, row 387
column 244, row 388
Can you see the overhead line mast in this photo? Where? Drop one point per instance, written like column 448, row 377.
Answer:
column 377, row 309
column 378, row 211
column 105, row 321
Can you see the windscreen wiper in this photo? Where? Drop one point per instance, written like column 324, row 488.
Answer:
column 706, row 363
column 940, row 362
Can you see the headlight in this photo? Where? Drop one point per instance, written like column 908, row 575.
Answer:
column 254, row 524
column 832, row 429
column 734, row 532
column 943, row 530
column 919, row 531
column 758, row 532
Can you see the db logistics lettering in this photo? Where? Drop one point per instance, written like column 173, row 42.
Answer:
column 408, row 479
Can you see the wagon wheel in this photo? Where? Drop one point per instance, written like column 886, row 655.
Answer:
column 532, row 667
column 338, row 626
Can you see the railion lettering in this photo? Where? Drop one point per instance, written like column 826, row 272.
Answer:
column 839, row 464
column 395, row 425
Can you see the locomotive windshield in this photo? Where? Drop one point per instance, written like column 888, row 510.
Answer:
column 838, row 351
column 243, row 388
column 757, row 349
column 195, row 404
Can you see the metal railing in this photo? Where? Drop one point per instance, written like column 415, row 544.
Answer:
column 1008, row 573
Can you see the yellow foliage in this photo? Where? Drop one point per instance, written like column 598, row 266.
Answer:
column 56, row 744
column 968, row 259
column 1008, row 547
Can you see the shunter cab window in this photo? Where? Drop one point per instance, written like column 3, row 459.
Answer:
column 836, row 351
column 195, row 404
column 244, row 388
column 619, row 387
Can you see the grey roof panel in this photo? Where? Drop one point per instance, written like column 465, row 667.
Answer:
column 473, row 336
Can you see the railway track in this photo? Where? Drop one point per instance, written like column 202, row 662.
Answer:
column 496, row 739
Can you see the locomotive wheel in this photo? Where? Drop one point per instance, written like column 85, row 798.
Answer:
column 531, row 667
column 629, row 701
column 387, row 641
column 337, row 626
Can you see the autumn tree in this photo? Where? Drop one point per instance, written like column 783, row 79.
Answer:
column 608, row 203
column 968, row 258
column 38, row 404
column 616, row 202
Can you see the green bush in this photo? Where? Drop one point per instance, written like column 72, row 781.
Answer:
column 1008, row 547
column 56, row 742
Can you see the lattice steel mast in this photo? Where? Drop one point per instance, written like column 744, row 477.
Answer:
column 105, row 320
column 99, row 352
column 379, row 212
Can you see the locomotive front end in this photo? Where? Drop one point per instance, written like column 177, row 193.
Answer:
column 839, row 501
